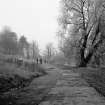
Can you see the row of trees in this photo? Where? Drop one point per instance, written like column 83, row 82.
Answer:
column 11, row 44
column 82, row 30
column 49, row 52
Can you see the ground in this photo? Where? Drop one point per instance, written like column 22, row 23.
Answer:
column 58, row 87
column 71, row 89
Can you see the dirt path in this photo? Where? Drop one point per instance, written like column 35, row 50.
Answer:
column 36, row 91
column 70, row 89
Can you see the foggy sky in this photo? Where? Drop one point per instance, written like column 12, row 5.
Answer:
column 36, row 19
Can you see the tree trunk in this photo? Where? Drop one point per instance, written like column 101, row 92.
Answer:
column 85, row 61
column 82, row 63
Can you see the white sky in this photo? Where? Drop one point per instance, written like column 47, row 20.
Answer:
column 36, row 19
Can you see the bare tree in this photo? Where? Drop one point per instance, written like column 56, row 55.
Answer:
column 35, row 50
column 49, row 51
column 8, row 41
column 88, row 18
column 23, row 46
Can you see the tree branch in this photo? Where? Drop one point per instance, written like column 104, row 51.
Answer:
column 90, row 29
column 74, row 23
column 73, row 8
column 77, row 6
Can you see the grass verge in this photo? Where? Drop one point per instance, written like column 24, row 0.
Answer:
column 95, row 77
column 14, row 79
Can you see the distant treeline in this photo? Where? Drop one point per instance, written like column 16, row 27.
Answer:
column 12, row 45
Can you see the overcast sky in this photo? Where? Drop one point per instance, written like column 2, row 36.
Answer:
column 36, row 19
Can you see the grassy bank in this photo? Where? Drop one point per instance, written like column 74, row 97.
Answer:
column 95, row 77
column 14, row 79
